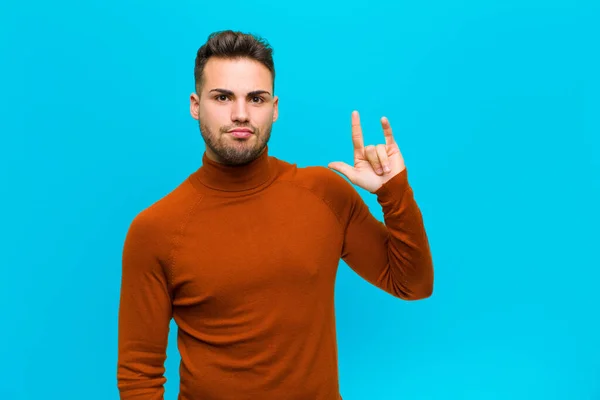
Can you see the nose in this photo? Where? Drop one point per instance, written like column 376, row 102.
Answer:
column 239, row 111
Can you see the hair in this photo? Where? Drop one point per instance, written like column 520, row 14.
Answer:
column 233, row 45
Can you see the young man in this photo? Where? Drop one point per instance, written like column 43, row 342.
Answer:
column 243, row 254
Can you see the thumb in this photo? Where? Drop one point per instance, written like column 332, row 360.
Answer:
column 343, row 168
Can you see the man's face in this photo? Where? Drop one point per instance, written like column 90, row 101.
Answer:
column 236, row 94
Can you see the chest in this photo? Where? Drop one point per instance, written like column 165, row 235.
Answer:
column 260, row 247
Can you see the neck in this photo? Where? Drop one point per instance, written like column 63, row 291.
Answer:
column 235, row 178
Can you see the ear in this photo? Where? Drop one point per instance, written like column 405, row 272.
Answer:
column 275, row 108
column 195, row 106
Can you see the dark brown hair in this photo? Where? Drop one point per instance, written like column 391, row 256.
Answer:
column 232, row 44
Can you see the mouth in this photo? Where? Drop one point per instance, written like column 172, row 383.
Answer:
column 241, row 133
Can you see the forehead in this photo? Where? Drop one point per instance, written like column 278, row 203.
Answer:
column 241, row 74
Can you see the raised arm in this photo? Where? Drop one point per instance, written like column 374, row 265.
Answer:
column 144, row 315
column 394, row 255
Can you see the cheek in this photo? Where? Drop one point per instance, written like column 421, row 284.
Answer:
column 213, row 116
column 265, row 117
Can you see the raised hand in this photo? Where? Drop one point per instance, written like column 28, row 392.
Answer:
column 373, row 165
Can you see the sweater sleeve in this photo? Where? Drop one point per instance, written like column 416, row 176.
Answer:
column 394, row 255
column 144, row 315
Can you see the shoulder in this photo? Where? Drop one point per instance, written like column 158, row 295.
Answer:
column 327, row 184
column 314, row 177
column 158, row 221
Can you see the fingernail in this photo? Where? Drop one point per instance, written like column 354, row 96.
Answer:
column 379, row 171
column 386, row 168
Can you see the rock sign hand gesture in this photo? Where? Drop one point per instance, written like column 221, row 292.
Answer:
column 373, row 165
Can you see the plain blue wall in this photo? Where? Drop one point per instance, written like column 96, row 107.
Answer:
column 494, row 105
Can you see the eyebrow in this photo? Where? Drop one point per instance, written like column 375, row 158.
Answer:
column 229, row 92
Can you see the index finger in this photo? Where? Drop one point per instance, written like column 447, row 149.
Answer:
column 357, row 135
column 387, row 131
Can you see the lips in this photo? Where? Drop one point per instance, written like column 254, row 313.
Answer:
column 241, row 133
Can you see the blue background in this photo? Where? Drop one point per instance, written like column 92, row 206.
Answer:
column 495, row 106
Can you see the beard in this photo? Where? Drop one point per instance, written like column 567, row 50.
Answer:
column 233, row 151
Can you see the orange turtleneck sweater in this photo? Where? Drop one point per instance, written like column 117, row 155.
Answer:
column 245, row 259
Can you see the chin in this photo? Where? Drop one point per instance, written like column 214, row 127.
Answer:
column 239, row 153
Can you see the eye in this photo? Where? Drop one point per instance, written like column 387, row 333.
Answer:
column 257, row 99
column 221, row 97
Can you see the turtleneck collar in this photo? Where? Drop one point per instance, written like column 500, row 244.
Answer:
column 229, row 178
